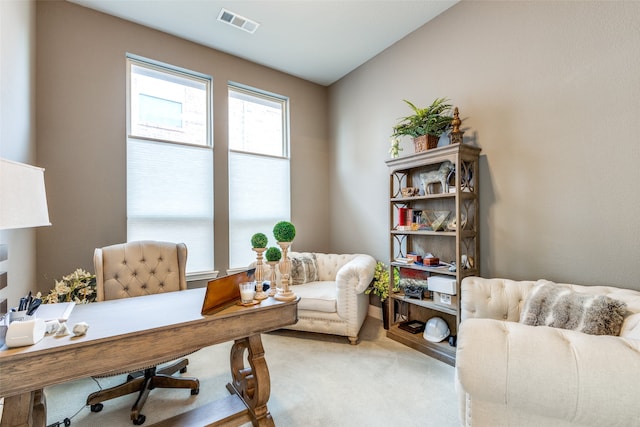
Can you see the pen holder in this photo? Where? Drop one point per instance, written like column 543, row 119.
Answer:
column 19, row 316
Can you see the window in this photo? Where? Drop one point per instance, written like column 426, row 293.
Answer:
column 259, row 189
column 170, row 159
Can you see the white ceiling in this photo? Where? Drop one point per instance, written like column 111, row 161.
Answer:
column 317, row 40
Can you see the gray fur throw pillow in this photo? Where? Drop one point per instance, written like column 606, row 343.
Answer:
column 560, row 307
column 304, row 269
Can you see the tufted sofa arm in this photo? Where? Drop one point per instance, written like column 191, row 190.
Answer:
column 511, row 374
column 356, row 274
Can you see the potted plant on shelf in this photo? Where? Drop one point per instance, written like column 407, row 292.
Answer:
column 380, row 288
column 426, row 125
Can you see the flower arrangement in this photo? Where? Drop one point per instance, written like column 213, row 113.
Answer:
column 380, row 284
column 79, row 287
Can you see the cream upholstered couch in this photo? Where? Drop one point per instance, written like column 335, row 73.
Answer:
column 512, row 374
column 335, row 303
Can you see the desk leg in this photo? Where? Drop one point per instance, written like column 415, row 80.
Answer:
column 251, row 383
column 25, row 410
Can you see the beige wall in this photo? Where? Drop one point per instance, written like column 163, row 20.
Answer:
column 550, row 92
column 18, row 132
column 81, row 132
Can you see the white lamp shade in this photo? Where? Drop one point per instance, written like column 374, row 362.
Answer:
column 23, row 201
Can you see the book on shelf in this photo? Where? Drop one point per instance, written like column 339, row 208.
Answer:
column 405, row 218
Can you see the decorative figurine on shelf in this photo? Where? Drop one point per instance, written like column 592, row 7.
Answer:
column 284, row 232
column 273, row 255
column 259, row 245
column 455, row 136
column 395, row 148
column 440, row 176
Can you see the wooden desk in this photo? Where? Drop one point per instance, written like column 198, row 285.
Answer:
column 132, row 333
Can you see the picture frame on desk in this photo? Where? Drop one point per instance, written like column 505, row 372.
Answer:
column 224, row 291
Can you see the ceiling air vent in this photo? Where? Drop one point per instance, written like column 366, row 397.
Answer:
column 238, row 21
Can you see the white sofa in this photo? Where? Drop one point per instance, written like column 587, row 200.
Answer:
column 335, row 303
column 512, row 374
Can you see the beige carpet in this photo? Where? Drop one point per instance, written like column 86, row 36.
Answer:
column 316, row 380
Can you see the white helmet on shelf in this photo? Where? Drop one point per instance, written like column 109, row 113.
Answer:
column 436, row 330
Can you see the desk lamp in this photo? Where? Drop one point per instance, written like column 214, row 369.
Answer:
column 23, row 204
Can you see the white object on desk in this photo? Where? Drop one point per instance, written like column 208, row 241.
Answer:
column 58, row 311
column 19, row 316
column 247, row 292
column 26, row 332
column 62, row 330
column 52, row 326
column 80, row 329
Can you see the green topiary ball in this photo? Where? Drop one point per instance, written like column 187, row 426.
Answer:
column 273, row 254
column 259, row 240
column 284, row 231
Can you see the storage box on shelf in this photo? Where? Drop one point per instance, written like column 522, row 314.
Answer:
column 454, row 241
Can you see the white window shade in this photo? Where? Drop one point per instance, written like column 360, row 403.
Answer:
column 259, row 197
column 170, row 197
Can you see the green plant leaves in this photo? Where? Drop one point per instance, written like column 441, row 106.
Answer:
column 432, row 120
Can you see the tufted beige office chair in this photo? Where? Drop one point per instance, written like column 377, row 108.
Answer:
column 135, row 269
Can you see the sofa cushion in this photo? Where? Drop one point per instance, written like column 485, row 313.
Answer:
column 304, row 269
column 551, row 305
column 317, row 296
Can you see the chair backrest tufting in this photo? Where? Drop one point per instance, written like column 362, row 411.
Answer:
column 139, row 268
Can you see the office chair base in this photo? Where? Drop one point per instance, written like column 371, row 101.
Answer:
column 140, row 420
column 143, row 383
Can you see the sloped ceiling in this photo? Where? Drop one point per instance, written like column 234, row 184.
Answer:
column 317, row 40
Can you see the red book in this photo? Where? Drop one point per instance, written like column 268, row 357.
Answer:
column 402, row 216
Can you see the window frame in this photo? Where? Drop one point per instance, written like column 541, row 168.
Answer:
column 182, row 73
column 269, row 97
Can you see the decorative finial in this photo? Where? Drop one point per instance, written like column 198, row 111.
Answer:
column 456, row 122
column 455, row 136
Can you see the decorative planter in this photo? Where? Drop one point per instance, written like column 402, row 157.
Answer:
column 425, row 142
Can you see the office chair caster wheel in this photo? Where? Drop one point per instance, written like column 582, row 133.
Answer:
column 195, row 391
column 97, row 407
column 183, row 370
column 140, row 420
